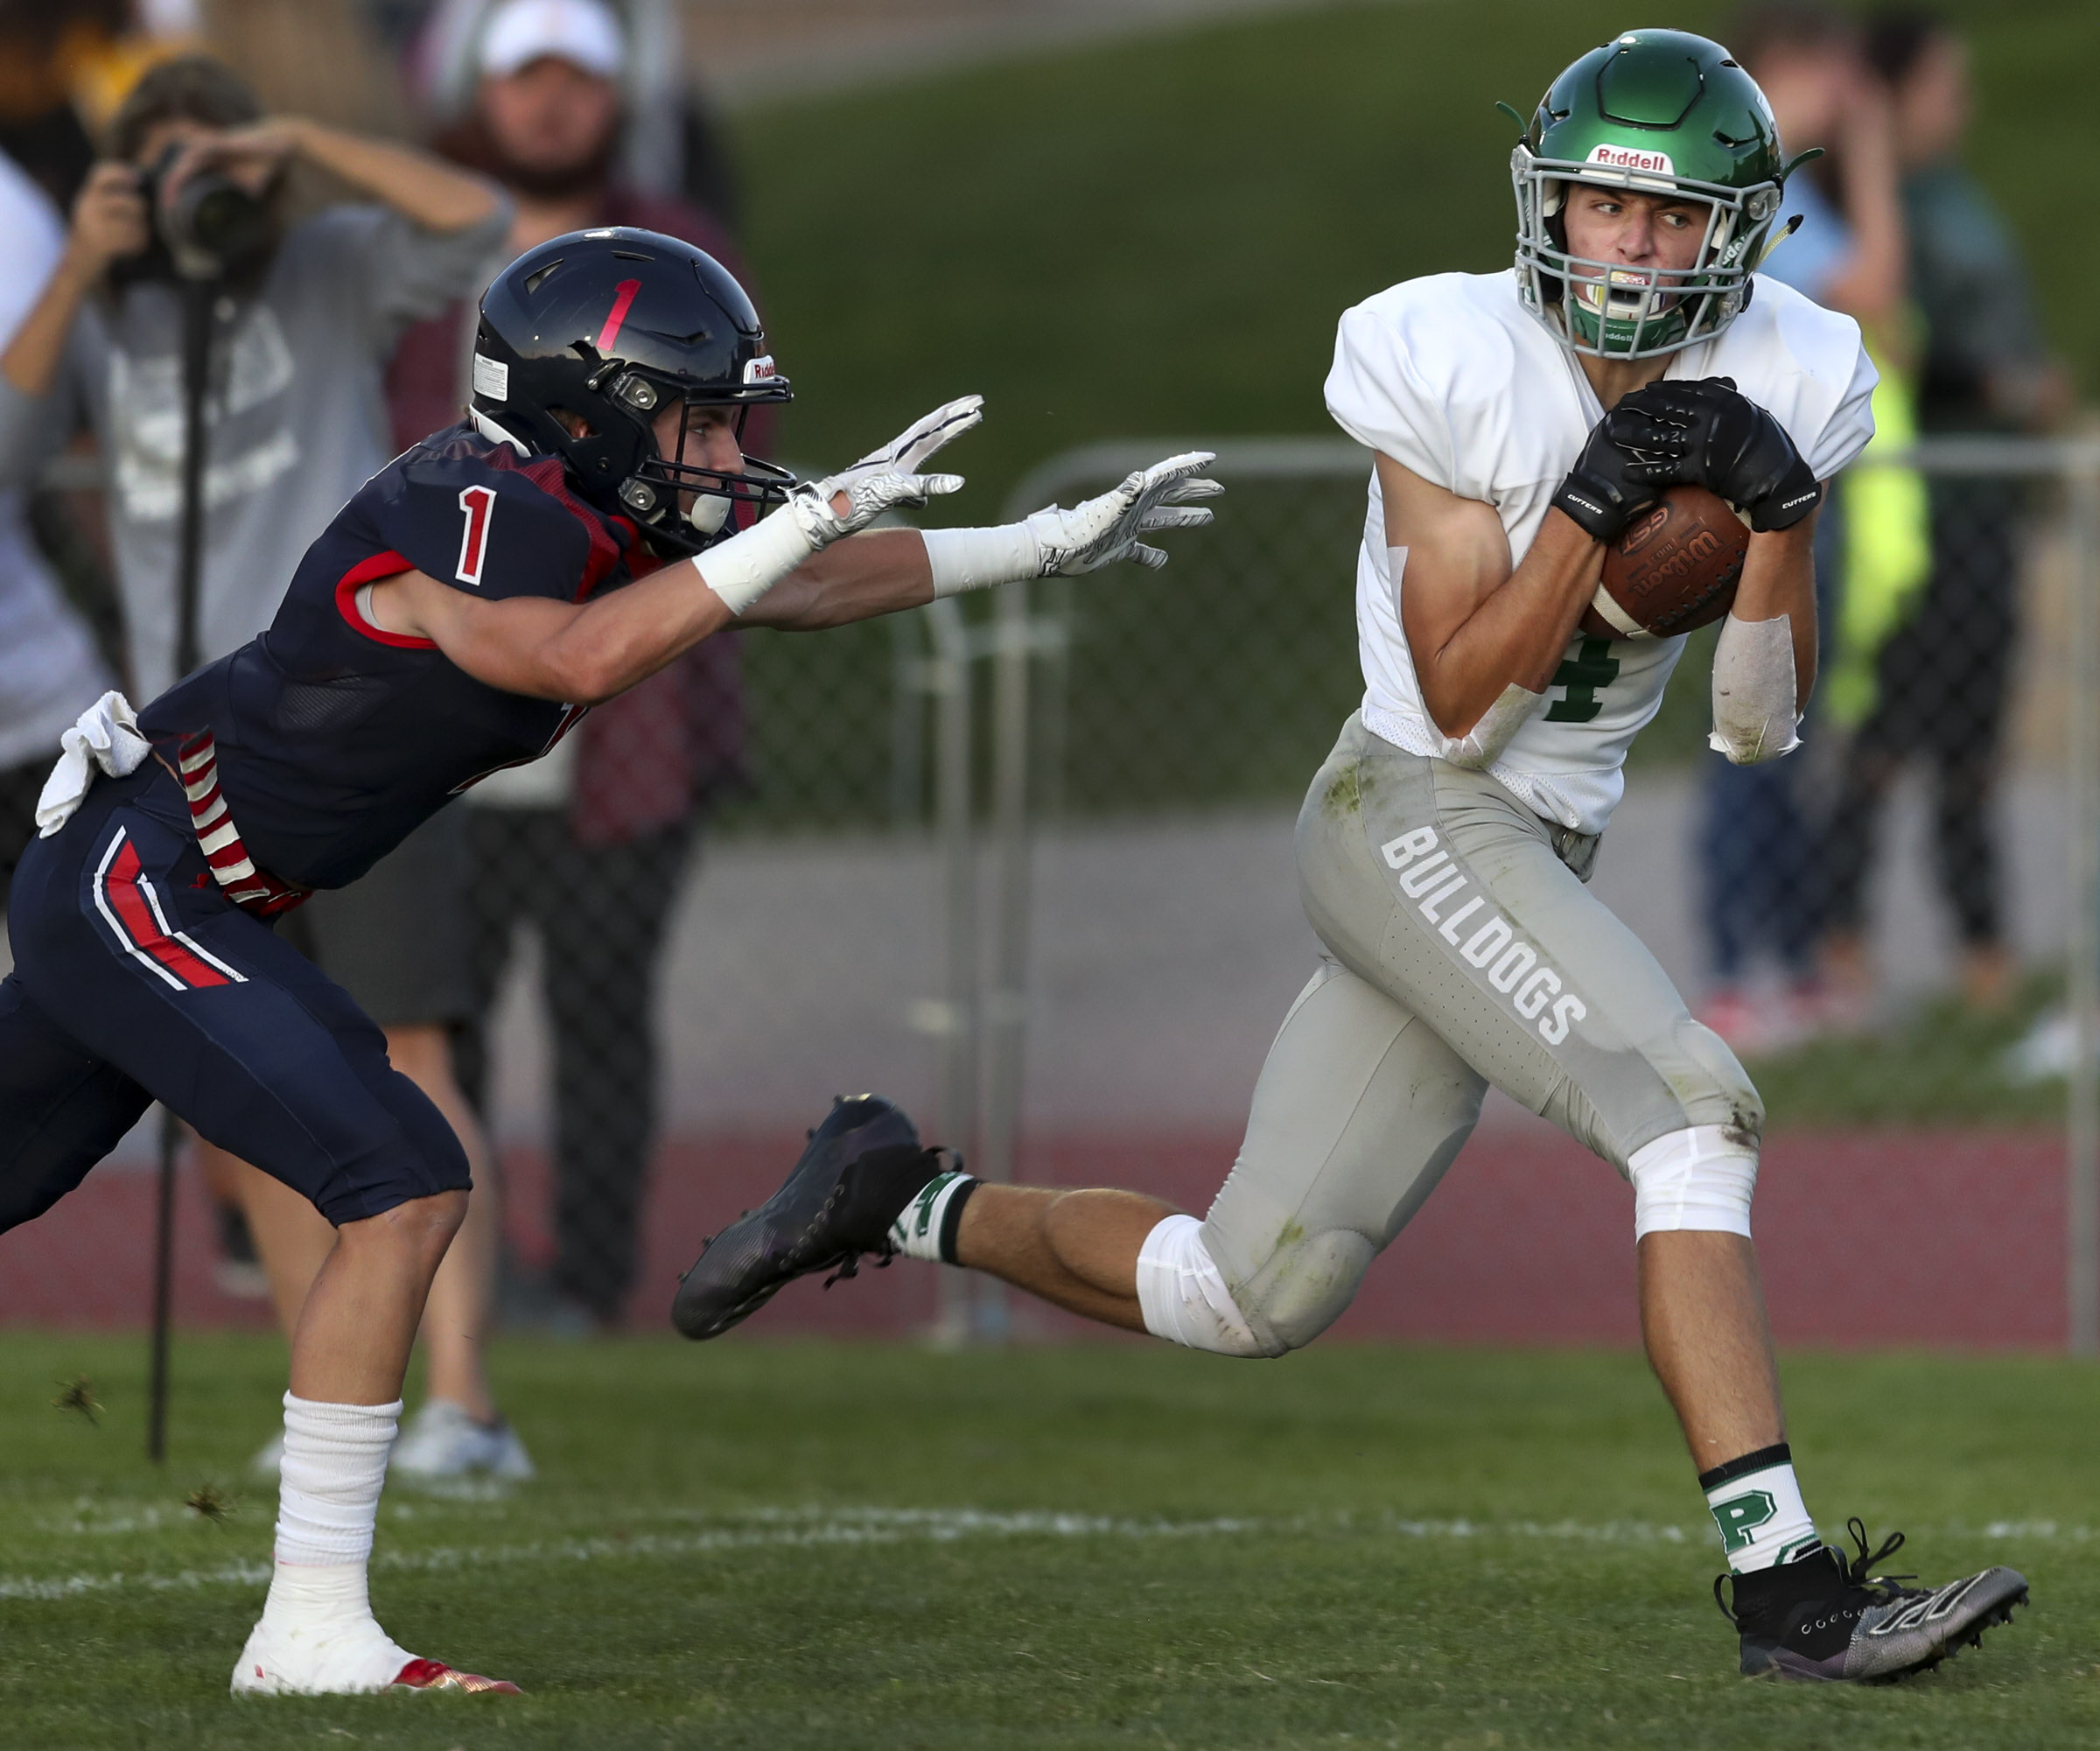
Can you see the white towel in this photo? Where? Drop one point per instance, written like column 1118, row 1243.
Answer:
column 104, row 737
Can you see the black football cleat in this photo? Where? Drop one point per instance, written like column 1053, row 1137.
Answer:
column 864, row 1163
column 1823, row 1619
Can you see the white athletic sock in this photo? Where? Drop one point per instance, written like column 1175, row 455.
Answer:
column 1757, row 1505
column 926, row 1228
column 317, row 1632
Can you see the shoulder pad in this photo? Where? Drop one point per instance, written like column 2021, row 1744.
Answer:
column 475, row 515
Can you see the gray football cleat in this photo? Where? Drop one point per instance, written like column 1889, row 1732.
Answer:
column 1824, row 1618
column 864, row 1163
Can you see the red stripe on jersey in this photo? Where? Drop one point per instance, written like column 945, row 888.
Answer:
column 253, row 890
column 138, row 923
column 370, row 571
column 623, row 300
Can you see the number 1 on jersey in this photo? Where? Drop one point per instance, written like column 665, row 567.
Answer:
column 479, row 504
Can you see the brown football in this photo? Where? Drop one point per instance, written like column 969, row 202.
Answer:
column 1674, row 571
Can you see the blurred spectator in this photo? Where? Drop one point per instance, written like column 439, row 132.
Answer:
column 672, row 145
column 589, row 844
column 1757, row 840
column 1940, row 676
column 41, row 129
column 64, row 69
column 50, row 670
column 302, row 324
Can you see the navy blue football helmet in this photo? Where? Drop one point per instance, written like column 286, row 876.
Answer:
column 608, row 328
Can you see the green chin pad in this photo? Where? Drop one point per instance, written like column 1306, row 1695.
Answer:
column 1614, row 334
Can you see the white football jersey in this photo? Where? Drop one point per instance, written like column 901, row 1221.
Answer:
column 1451, row 377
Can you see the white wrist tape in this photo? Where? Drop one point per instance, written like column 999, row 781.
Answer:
column 977, row 559
column 746, row 566
column 1755, row 697
column 1701, row 1179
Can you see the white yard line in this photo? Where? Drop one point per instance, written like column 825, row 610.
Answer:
column 783, row 1528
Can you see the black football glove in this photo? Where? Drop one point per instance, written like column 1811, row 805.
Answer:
column 1734, row 447
column 1629, row 457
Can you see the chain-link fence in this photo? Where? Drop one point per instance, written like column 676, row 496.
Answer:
column 1031, row 873
column 1888, row 925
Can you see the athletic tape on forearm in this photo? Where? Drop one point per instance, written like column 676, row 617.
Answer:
column 1482, row 745
column 746, row 566
column 1755, row 697
column 977, row 559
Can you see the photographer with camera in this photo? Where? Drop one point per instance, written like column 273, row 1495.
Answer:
column 303, row 317
column 307, row 318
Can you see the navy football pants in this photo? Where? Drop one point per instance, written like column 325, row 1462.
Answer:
column 135, row 979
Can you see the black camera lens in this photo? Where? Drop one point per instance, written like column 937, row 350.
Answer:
column 212, row 225
column 217, row 217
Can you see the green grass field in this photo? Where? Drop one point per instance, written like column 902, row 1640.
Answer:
column 784, row 1545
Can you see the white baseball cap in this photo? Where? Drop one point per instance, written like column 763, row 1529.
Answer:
column 584, row 32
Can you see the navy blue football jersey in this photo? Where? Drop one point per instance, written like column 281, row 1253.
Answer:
column 335, row 740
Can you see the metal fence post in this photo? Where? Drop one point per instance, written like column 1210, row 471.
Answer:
column 1006, row 994
column 950, row 683
column 2082, row 1235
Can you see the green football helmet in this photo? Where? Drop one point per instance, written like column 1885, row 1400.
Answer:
column 1657, row 112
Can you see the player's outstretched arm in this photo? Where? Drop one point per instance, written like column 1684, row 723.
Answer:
column 588, row 654
column 796, row 570
column 545, row 649
column 885, row 570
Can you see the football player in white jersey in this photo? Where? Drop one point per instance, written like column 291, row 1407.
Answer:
column 1517, row 422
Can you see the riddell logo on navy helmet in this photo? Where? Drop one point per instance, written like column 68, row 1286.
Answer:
column 1632, row 158
column 760, row 370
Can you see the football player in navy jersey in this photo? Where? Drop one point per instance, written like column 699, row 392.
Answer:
column 479, row 593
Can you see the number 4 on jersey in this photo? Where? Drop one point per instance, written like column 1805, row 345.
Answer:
column 479, row 504
column 1593, row 667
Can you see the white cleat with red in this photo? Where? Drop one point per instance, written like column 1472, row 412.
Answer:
column 435, row 1675
column 343, row 1658
column 351, row 1660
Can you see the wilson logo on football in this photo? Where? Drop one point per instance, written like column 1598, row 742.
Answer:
column 1673, row 565
column 1632, row 158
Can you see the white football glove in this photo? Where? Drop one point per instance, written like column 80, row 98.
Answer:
column 1101, row 531
column 884, row 479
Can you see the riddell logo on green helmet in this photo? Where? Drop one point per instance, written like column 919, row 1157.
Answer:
column 1632, row 158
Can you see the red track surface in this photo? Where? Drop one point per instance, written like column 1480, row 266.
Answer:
column 1868, row 1238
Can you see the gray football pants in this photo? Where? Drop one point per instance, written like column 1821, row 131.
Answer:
column 1461, row 950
